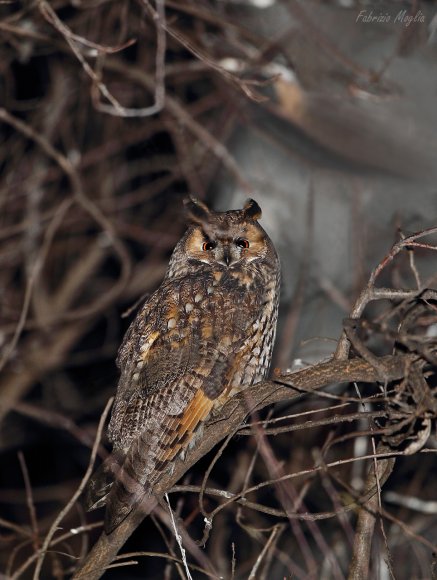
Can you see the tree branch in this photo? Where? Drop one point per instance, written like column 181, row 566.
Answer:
column 231, row 416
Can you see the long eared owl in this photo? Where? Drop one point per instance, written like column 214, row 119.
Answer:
column 206, row 333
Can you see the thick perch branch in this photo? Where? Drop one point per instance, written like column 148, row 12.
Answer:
column 233, row 413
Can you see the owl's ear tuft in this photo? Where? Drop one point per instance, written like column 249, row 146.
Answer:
column 196, row 210
column 252, row 210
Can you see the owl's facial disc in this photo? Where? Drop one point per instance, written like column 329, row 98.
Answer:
column 227, row 248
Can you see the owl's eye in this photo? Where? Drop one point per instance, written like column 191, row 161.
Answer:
column 242, row 243
column 207, row 246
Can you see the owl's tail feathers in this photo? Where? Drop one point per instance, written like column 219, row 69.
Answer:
column 100, row 484
column 126, row 493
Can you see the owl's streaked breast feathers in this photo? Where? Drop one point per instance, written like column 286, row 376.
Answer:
column 209, row 328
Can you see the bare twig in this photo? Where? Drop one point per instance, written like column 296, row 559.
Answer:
column 178, row 539
column 75, row 496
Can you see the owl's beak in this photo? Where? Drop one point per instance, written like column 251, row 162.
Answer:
column 227, row 258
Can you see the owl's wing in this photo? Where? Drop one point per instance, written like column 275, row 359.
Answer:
column 185, row 338
column 183, row 362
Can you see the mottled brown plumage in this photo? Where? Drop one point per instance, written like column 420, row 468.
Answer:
column 204, row 334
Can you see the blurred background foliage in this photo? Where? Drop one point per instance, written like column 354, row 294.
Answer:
column 110, row 113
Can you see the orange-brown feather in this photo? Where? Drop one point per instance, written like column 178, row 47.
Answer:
column 183, row 427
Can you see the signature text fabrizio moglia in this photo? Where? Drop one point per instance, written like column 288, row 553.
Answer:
column 402, row 17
